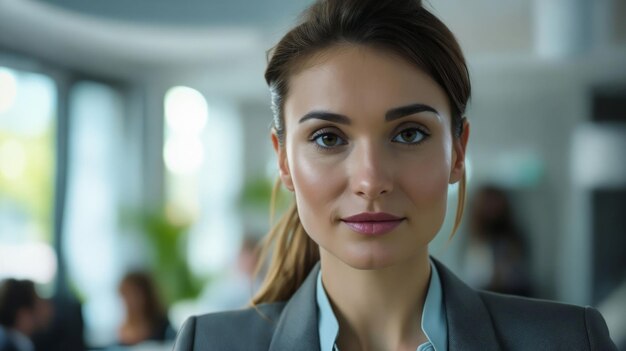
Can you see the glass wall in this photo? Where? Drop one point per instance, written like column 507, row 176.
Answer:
column 28, row 105
column 91, row 235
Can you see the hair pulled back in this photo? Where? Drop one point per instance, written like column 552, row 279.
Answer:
column 402, row 27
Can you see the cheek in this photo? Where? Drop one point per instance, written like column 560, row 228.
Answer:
column 425, row 183
column 318, row 182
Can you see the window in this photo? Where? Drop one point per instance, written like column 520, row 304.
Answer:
column 203, row 159
column 27, row 159
column 91, row 225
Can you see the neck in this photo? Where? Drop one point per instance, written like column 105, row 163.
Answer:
column 380, row 308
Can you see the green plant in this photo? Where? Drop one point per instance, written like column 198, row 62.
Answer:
column 166, row 241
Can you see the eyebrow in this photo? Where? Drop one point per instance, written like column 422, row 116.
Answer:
column 393, row 114
column 408, row 110
column 327, row 116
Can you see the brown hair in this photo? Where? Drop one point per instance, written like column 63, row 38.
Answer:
column 151, row 307
column 402, row 27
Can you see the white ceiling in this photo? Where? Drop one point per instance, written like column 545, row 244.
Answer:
column 110, row 46
column 232, row 47
column 107, row 44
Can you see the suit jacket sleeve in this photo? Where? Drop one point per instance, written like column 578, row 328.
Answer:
column 186, row 336
column 597, row 331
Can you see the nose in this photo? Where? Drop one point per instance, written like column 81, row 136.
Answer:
column 370, row 172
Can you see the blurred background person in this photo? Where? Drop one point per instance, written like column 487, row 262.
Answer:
column 22, row 314
column 65, row 329
column 146, row 318
column 235, row 288
column 496, row 255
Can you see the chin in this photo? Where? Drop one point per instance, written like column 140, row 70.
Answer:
column 379, row 255
column 369, row 259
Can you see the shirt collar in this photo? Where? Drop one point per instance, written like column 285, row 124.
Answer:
column 434, row 323
column 327, row 323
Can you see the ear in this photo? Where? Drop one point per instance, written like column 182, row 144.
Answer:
column 458, row 153
column 283, row 165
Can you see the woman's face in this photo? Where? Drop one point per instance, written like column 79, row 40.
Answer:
column 369, row 154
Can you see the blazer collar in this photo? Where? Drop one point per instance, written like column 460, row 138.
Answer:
column 297, row 327
column 469, row 323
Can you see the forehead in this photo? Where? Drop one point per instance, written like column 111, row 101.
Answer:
column 358, row 80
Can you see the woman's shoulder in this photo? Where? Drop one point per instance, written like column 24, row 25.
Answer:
column 245, row 329
column 518, row 323
column 251, row 317
column 521, row 320
column 506, row 304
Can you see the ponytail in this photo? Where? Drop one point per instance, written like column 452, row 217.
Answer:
column 293, row 255
column 460, row 206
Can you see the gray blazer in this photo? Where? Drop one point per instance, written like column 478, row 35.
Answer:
column 477, row 320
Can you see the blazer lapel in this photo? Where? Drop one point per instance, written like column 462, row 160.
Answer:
column 469, row 323
column 297, row 327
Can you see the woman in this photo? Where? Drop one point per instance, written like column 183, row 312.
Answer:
column 145, row 319
column 369, row 99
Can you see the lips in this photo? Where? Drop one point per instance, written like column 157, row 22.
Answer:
column 372, row 223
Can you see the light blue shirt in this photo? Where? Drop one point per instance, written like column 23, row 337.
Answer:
column 434, row 323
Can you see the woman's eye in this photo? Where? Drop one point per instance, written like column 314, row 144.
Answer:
column 409, row 136
column 328, row 140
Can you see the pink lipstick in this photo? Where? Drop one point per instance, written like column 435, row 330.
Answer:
column 372, row 223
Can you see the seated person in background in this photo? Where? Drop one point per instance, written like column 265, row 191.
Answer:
column 496, row 257
column 22, row 313
column 66, row 326
column 236, row 286
column 146, row 319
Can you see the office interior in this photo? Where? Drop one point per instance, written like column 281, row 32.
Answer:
column 134, row 137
